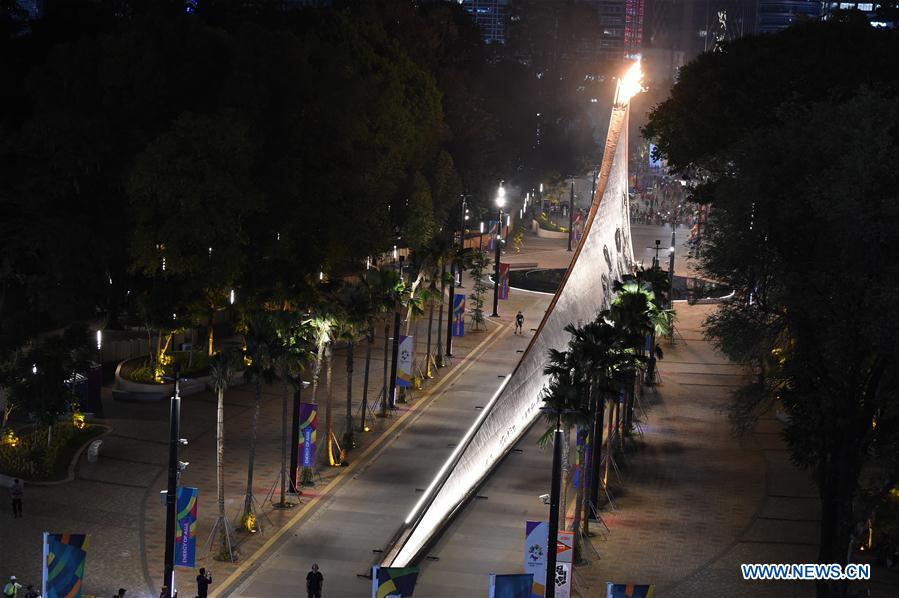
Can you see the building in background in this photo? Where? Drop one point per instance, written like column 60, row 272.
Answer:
column 490, row 15
column 676, row 31
column 775, row 15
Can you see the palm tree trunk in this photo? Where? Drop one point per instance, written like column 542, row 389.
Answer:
column 328, row 404
column 285, row 415
column 220, row 469
column 317, row 370
column 210, row 334
column 566, row 477
column 386, row 381
column 619, row 421
column 248, row 499
column 579, row 502
column 439, row 359
column 430, row 327
column 609, row 429
column 368, row 345
column 348, row 433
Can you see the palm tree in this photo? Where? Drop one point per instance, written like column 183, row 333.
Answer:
column 260, row 339
column 636, row 313
column 564, row 401
column 379, row 285
column 354, row 315
column 289, row 353
column 222, row 366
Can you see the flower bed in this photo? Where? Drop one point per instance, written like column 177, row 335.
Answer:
column 29, row 457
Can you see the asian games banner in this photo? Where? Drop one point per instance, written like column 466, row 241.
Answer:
column 459, row 315
column 63, row 566
column 186, row 527
column 503, row 281
column 306, row 442
column 404, row 363
column 536, row 534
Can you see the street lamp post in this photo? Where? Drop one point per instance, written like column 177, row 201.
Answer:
column 500, row 202
column 554, row 491
column 171, row 495
column 571, row 215
column 464, row 217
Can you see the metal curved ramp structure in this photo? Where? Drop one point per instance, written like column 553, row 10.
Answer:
column 602, row 256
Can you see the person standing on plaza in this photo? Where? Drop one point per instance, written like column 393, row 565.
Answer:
column 30, row 592
column 203, row 581
column 314, row 581
column 15, row 493
column 519, row 323
column 12, row 587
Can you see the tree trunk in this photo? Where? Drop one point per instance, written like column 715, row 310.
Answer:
column 348, row 432
column 329, row 401
column 439, row 359
column 579, row 501
column 609, row 434
column 210, row 334
column 566, row 477
column 317, row 370
column 368, row 345
column 618, row 426
column 220, row 470
column 248, row 499
column 596, row 482
column 428, row 373
column 386, row 380
column 285, row 416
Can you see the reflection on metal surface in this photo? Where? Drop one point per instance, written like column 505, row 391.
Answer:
column 516, row 404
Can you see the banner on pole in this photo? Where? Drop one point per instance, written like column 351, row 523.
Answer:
column 563, row 580
column 63, row 565
column 623, row 590
column 511, row 586
column 404, row 363
column 493, row 227
column 459, row 315
column 535, row 538
column 503, row 281
column 393, row 582
column 186, row 527
column 565, row 547
column 307, row 439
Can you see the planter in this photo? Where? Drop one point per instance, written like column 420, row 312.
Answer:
column 129, row 390
column 550, row 234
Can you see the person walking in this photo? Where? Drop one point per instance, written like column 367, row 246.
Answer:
column 519, row 323
column 15, row 493
column 314, row 581
column 12, row 587
column 203, row 581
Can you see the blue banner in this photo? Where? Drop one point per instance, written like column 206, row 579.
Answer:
column 459, row 315
column 511, row 586
column 63, row 567
column 186, row 527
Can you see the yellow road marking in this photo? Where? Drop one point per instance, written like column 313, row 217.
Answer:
column 260, row 552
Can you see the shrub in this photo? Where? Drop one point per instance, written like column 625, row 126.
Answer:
column 546, row 224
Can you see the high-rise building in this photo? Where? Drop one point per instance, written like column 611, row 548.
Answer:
column 775, row 15
column 490, row 15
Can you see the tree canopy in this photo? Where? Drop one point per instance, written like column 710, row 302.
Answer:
column 791, row 139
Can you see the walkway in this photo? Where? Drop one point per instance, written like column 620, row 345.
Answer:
column 694, row 502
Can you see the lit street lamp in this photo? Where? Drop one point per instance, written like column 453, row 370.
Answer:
column 500, row 202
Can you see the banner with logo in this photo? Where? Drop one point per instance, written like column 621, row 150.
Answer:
column 563, row 580
column 565, row 547
column 492, row 227
column 404, row 363
column 307, row 438
column 623, row 590
column 535, row 538
column 459, row 315
column 63, row 565
column 393, row 582
column 503, row 281
column 511, row 586
column 186, row 527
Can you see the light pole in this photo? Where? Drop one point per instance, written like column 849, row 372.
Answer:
column 464, row 218
column 500, row 202
column 571, row 215
column 554, row 491
column 171, row 495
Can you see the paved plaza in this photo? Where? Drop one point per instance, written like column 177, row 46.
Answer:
column 693, row 501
